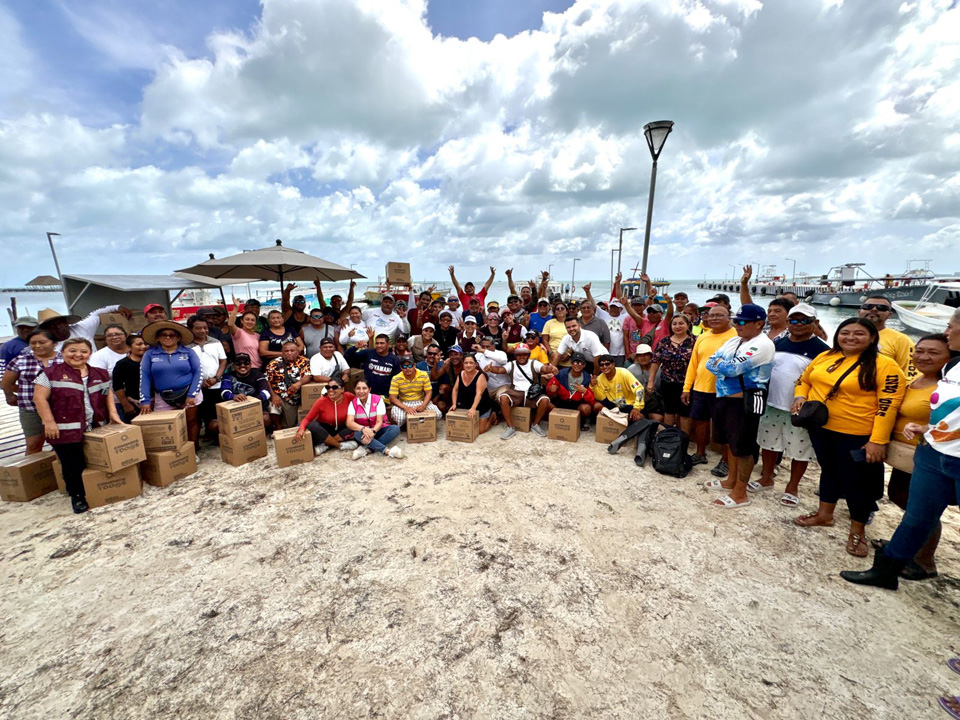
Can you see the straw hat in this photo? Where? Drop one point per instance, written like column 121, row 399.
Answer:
column 149, row 333
column 49, row 315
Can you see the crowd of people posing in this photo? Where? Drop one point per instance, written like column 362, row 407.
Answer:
column 766, row 382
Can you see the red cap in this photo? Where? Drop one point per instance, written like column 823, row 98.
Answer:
column 151, row 306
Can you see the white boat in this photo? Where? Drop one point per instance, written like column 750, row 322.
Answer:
column 927, row 316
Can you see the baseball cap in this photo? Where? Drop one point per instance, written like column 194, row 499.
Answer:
column 428, row 325
column 578, row 357
column 446, row 312
column 521, row 349
column 386, row 296
column 26, row 321
column 456, row 349
column 531, row 334
column 637, row 300
column 751, row 313
column 543, row 301
column 252, row 301
column 803, row 309
column 643, row 349
column 616, row 303
column 470, row 319
column 241, row 358
column 654, row 309
column 327, row 341
column 299, row 298
column 152, row 306
column 513, row 298
column 505, row 310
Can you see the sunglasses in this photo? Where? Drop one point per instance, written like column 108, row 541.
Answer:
column 169, row 334
column 875, row 306
column 802, row 321
column 406, row 366
column 241, row 363
column 605, row 363
column 741, row 323
column 333, row 387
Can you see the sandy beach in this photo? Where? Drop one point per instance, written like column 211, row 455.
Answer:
column 521, row 579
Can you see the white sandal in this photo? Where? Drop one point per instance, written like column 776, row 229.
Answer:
column 715, row 485
column 755, row 487
column 728, row 503
column 789, row 500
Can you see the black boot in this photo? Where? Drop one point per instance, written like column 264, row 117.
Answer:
column 885, row 573
column 79, row 505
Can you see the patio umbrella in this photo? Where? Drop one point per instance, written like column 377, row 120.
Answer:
column 272, row 263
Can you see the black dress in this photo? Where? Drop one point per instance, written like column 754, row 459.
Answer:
column 467, row 393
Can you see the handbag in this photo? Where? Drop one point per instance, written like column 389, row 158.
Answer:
column 175, row 398
column 900, row 456
column 754, row 399
column 536, row 389
column 814, row 414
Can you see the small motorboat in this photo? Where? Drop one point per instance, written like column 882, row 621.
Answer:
column 927, row 316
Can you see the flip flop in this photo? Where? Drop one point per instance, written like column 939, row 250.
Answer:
column 716, row 485
column 954, row 664
column 789, row 500
column 728, row 503
column 755, row 487
column 949, row 710
column 804, row 521
column 857, row 545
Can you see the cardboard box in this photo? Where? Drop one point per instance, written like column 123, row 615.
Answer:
column 421, row 428
column 302, row 413
column 138, row 322
column 564, row 425
column 165, row 468
column 99, row 342
column 398, row 273
column 58, row 473
column 114, row 319
column 113, row 447
column 460, row 428
column 354, row 375
column 103, row 488
column 239, row 418
column 241, row 449
column 310, row 393
column 24, row 478
column 166, row 430
column 291, row 451
column 522, row 417
column 608, row 429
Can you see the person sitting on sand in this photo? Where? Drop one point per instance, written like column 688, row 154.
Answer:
column 470, row 393
column 570, row 389
column 327, row 421
column 617, row 388
column 410, row 392
column 445, row 375
column 367, row 417
column 245, row 381
column 523, row 373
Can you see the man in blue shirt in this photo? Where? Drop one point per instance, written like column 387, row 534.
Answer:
column 24, row 325
column 541, row 316
column 379, row 366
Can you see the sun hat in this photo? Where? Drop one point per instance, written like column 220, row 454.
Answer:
column 149, row 333
column 643, row 349
column 48, row 315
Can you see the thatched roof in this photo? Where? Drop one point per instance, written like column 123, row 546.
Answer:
column 43, row 280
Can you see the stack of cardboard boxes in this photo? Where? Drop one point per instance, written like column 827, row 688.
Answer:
column 170, row 454
column 113, row 454
column 242, row 437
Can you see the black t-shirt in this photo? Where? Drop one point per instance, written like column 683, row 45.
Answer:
column 126, row 377
column 378, row 370
column 275, row 342
column 446, row 338
column 495, row 335
column 294, row 325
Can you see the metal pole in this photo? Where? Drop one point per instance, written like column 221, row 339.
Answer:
column 793, row 274
column 612, row 250
column 549, row 271
column 646, row 235
column 619, row 254
column 573, row 276
column 54, row 251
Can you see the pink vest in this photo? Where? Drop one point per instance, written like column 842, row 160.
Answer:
column 360, row 416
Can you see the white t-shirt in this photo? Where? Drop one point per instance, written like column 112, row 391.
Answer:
column 359, row 333
column 210, row 356
column 589, row 344
column 106, row 359
column 319, row 365
column 383, row 324
column 616, row 331
column 522, row 375
column 498, row 359
column 381, row 407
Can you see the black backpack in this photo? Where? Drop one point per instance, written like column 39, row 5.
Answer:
column 669, row 454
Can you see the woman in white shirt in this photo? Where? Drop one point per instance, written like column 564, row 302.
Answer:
column 213, row 362
column 354, row 333
column 367, row 417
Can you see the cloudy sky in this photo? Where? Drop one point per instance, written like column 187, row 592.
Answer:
column 504, row 132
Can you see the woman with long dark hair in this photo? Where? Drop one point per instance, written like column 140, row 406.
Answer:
column 862, row 391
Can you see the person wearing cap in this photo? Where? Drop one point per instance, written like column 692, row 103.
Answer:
column 540, row 316
column 72, row 398
column 401, row 347
column 245, row 381
column 537, row 351
column 511, row 331
column 529, row 293
column 680, row 301
column 776, row 434
column 642, row 369
column 491, row 329
column 170, row 373
column 329, row 363
column 67, row 326
column 294, row 313
column 213, row 364
column 287, row 375
column 516, row 307
column 114, row 350
column 410, row 393
column 24, row 325
column 668, row 368
column 617, row 388
column 741, row 365
column 474, row 310
column 419, row 343
column 493, row 307
column 468, row 290
column 316, row 330
column 18, row 384
column 700, row 385
column 523, row 373
column 336, row 301
column 246, row 337
column 554, row 331
column 378, row 363
column 469, row 336
column 570, row 389
column 253, row 305
column 384, row 321
column 721, row 299
column 446, row 335
column 154, row 312
column 275, row 337
column 445, row 375
column 578, row 340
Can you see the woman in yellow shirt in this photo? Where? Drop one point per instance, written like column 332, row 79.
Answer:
column 554, row 331
column 851, row 447
column 930, row 355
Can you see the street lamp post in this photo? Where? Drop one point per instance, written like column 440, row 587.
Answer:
column 573, row 276
column 733, row 273
column 54, row 251
column 793, row 274
column 549, row 269
column 620, row 247
column 656, row 134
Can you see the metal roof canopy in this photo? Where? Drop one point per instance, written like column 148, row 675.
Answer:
column 86, row 293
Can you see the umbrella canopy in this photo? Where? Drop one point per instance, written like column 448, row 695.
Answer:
column 273, row 263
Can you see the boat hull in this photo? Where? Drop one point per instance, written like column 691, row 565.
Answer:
column 931, row 318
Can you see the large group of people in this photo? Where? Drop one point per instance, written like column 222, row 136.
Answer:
column 756, row 383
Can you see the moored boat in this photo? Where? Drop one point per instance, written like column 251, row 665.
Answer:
column 926, row 315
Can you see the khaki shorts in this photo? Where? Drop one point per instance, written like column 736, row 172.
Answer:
column 519, row 399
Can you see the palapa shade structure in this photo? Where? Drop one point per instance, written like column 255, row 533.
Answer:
column 273, row 263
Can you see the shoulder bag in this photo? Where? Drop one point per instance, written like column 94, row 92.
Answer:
column 536, row 389
column 813, row 413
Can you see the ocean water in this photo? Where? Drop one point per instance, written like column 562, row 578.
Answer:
column 30, row 303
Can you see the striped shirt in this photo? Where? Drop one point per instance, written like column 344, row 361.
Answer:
column 29, row 367
column 410, row 391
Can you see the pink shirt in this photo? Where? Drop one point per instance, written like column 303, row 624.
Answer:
column 634, row 333
column 249, row 343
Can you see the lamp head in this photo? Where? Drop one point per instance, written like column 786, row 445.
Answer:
column 656, row 135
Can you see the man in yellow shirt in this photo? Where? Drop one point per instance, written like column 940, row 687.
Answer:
column 700, row 385
column 614, row 387
column 895, row 345
column 410, row 392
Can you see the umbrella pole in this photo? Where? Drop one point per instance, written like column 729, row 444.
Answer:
column 223, row 298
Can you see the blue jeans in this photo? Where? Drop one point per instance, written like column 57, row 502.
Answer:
column 935, row 485
column 386, row 435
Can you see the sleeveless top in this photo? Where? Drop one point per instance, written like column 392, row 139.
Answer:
column 467, row 393
column 360, row 415
column 249, row 343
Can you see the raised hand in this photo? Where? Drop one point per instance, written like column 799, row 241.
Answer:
column 290, row 287
column 450, row 269
column 586, row 287
column 545, row 274
column 509, row 272
column 747, row 273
